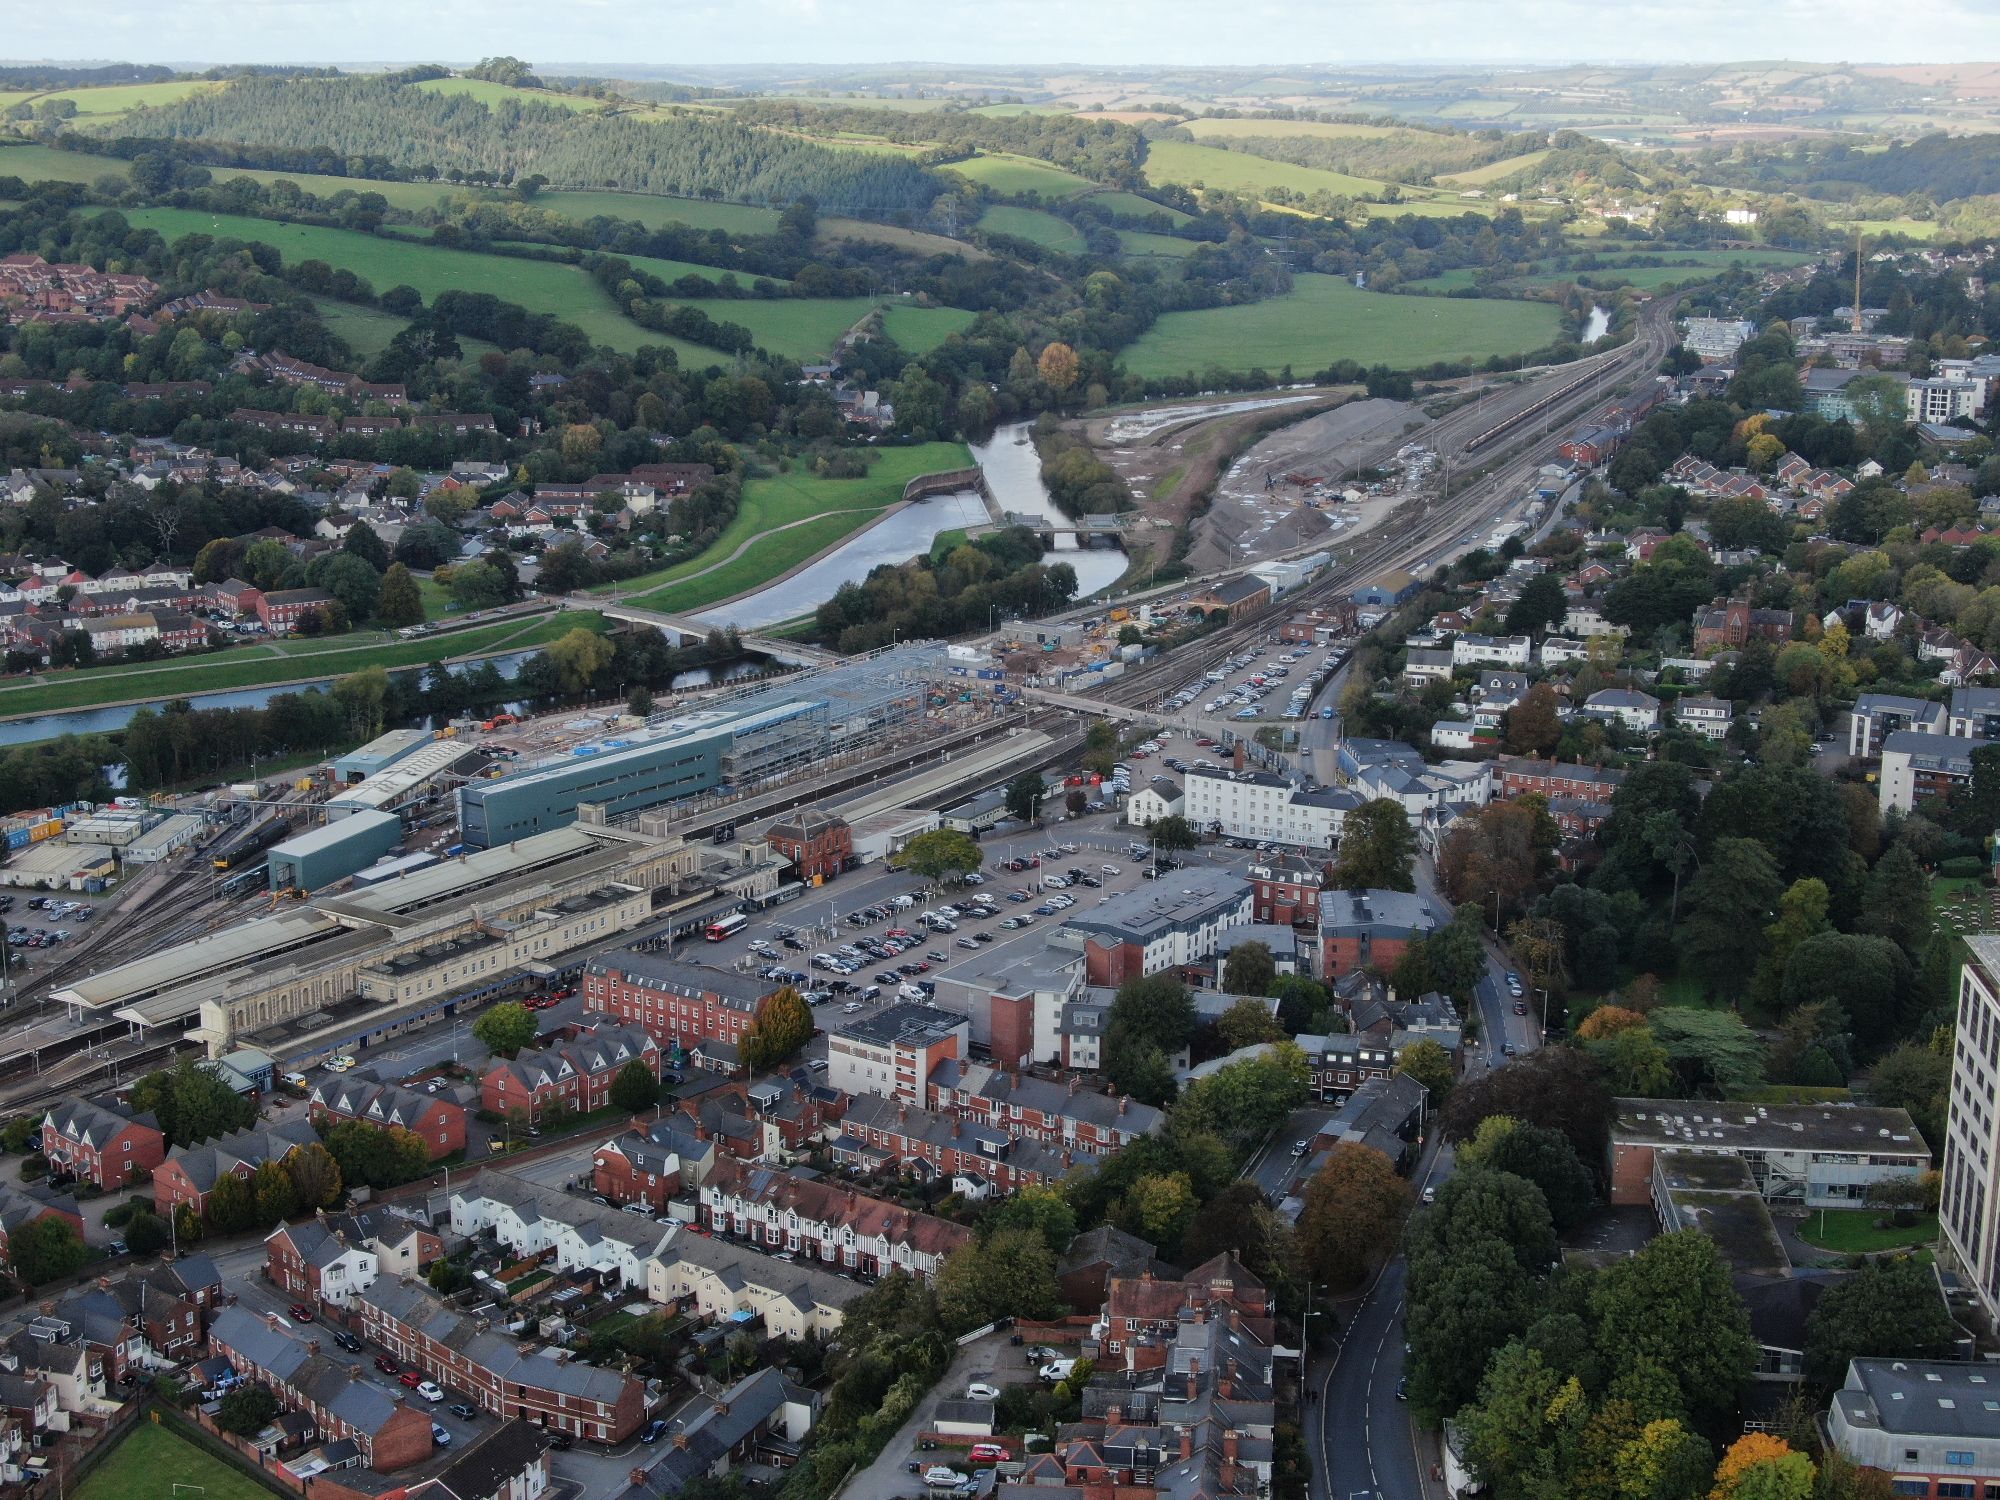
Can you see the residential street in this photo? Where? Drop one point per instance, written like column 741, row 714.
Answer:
column 1364, row 1445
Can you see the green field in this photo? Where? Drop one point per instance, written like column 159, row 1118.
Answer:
column 915, row 241
column 104, row 106
column 153, row 1463
column 1004, row 111
column 1011, row 175
column 1238, row 172
column 920, row 329
column 1131, row 204
column 1507, row 166
column 368, row 330
column 490, row 93
column 1034, row 226
column 46, row 164
column 1324, row 318
column 1232, row 129
column 542, row 286
column 819, row 512
column 657, row 213
column 1139, row 242
column 1916, row 229
column 250, row 666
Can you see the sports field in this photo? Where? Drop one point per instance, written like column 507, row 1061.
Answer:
column 1324, row 318
column 1011, row 175
column 816, row 513
column 155, row 1463
column 1034, row 226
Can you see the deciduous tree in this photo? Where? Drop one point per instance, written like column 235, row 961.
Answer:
column 505, row 1028
column 1886, row 1310
column 634, row 1088
column 1376, row 848
column 1249, row 969
column 943, row 854
column 1673, row 1304
column 1010, row 1273
column 782, row 1026
column 1352, row 1206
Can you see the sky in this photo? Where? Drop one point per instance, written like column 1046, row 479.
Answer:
column 621, row 33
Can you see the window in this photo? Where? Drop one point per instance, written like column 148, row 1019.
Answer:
column 1958, row 1458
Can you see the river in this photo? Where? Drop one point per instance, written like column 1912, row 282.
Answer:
column 107, row 720
column 1013, row 472
column 1598, row 324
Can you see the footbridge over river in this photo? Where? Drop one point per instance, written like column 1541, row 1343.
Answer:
column 686, row 627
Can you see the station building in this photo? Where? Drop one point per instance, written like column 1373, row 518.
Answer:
column 344, row 971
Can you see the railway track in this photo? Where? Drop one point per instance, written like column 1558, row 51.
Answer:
column 1409, row 540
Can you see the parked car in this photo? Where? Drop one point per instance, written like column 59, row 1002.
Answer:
column 387, row 1365
column 411, row 1378
column 653, row 1431
column 430, row 1390
column 302, row 1312
column 988, row 1453
column 440, row 1435
column 562, row 1442
column 979, row 1390
column 1055, row 1371
column 938, row 1477
column 347, row 1341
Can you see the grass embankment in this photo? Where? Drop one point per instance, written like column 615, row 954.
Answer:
column 249, row 667
column 816, row 513
column 154, row 1462
column 1325, row 318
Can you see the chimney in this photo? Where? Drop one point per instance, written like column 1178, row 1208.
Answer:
column 1124, row 1103
column 902, row 1113
column 1194, row 1369
column 680, row 1440
column 1075, row 1083
column 1229, row 1445
column 1232, row 1321
column 1115, row 1417
column 1230, row 1365
column 1187, row 1442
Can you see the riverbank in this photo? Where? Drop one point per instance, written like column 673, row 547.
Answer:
column 134, row 685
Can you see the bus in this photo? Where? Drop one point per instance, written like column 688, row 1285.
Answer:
column 723, row 927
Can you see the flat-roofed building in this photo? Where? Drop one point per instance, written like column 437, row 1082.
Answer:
column 1806, row 1155
column 1932, row 1426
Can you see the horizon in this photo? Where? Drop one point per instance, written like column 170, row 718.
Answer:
column 1085, row 34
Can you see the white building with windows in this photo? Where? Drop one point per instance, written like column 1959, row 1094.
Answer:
column 1264, row 806
column 1492, row 651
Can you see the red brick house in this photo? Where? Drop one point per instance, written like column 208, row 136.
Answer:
column 640, row 1168
column 391, row 1433
column 19, row 1208
column 1733, row 623
column 235, row 596
column 578, row 1072
column 362, row 1097
column 1370, row 929
column 1553, row 779
column 1137, row 1309
column 104, row 1144
column 679, row 1004
column 190, row 1173
column 880, row 1133
column 817, row 843
column 282, row 611
column 1285, row 889
column 314, row 1261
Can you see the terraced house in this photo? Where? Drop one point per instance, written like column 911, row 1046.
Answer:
column 1066, row 1115
column 533, row 1220
column 680, row 1004
column 390, row 1433
column 825, row 1222
column 314, row 1261
column 575, row 1073
column 101, row 1143
column 504, row 1377
column 363, row 1097
column 702, row 1277
column 880, row 1133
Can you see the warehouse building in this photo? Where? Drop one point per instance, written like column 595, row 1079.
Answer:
column 408, row 779
column 380, row 753
column 320, row 856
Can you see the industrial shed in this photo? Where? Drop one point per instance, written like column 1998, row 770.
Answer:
column 333, row 851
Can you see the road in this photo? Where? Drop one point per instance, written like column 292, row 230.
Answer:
column 1367, row 1448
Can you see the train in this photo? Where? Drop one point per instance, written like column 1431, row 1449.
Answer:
column 234, row 852
column 1499, row 429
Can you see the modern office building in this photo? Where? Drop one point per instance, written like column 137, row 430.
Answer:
column 1969, row 1212
column 683, row 757
column 1805, row 1155
column 1932, row 1426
